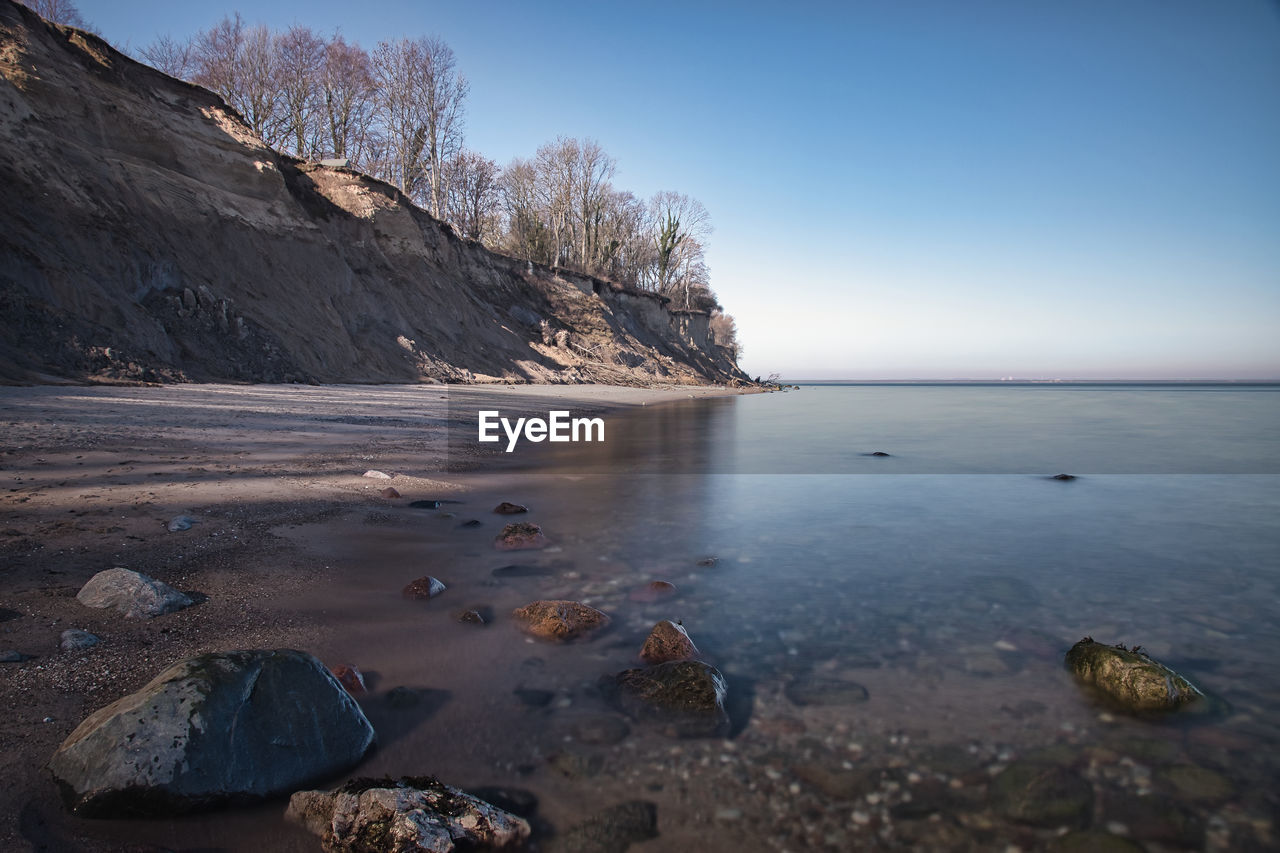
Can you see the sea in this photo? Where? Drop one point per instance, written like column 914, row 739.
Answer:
column 888, row 577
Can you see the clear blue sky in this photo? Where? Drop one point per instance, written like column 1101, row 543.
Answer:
column 905, row 188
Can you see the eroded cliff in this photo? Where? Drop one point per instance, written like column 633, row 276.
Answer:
column 147, row 235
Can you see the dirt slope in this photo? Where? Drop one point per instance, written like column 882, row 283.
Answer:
column 147, row 235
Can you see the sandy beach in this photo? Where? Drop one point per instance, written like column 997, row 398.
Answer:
column 92, row 476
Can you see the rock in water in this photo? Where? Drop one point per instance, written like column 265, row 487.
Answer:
column 223, row 727
column 135, row 595
column 668, row 641
column 521, row 536
column 817, row 690
column 1042, row 795
column 508, row 508
column 1130, row 678
column 687, row 697
column 612, row 830
column 655, row 591
column 405, row 815
column 424, row 587
column 560, row 620
column 351, row 678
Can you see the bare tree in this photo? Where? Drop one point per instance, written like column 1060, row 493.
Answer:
column 58, row 12
column 554, row 174
column 347, row 91
column 420, row 107
column 473, row 194
column 592, row 169
column 215, row 54
column 261, row 93
column 239, row 63
column 724, row 333
column 300, row 59
column 527, row 234
column 623, row 249
column 681, row 225
column 175, row 58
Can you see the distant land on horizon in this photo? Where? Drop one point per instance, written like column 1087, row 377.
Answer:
column 1031, row 381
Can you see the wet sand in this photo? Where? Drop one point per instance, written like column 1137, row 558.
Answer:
column 272, row 475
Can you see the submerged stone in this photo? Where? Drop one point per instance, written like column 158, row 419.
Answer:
column 600, row 729
column 520, row 536
column 560, row 620
column 1195, row 783
column 508, row 508
column 686, row 697
column 521, row 571
column 1132, row 680
column 226, row 727
column 654, row 591
column 1042, row 795
column 135, row 595
column 1094, row 841
column 405, row 815
column 612, row 830
column 816, row 690
column 1157, row 819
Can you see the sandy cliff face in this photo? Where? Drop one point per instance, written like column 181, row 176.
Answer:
column 146, row 234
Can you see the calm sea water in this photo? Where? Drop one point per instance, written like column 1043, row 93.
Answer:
column 947, row 579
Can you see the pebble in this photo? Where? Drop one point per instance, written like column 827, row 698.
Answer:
column 12, row 656
column 423, row 587
column 180, row 522
column 73, row 640
column 376, row 475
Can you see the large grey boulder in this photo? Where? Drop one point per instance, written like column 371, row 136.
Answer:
column 404, row 816
column 133, row 594
column 224, row 727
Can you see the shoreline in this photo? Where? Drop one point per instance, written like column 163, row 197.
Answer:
column 92, row 474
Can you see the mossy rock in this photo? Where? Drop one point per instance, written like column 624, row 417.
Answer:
column 1131, row 680
column 686, row 696
column 614, row 829
column 1158, row 818
column 1195, row 783
column 1042, row 795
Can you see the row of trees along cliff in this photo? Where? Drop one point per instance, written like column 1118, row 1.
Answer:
column 398, row 113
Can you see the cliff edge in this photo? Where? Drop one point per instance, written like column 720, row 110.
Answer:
column 147, row 235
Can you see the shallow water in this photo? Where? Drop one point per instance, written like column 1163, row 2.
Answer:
column 948, row 579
